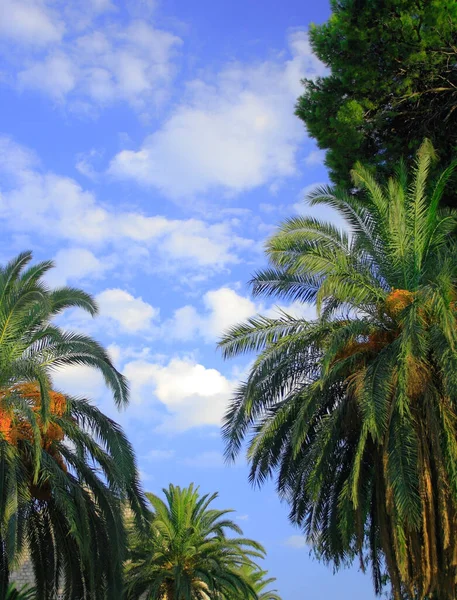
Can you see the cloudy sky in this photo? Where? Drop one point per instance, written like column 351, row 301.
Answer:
column 149, row 147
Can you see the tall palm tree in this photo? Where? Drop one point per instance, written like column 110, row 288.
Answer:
column 188, row 555
column 66, row 470
column 355, row 411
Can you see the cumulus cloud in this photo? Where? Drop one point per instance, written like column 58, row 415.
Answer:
column 87, row 59
column 56, row 75
column 59, row 208
column 132, row 314
column 192, row 394
column 205, row 460
column 30, row 22
column 15, row 160
column 159, row 455
column 223, row 308
column 74, row 264
column 235, row 133
column 79, row 380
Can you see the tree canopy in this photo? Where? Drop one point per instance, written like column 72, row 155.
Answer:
column 392, row 82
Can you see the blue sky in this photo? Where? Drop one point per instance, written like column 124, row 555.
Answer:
column 149, row 148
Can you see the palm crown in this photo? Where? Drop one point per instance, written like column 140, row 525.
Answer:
column 30, row 345
column 356, row 410
column 66, row 470
column 188, row 555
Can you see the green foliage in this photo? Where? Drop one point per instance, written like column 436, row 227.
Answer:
column 187, row 554
column 259, row 581
column 392, row 82
column 66, row 470
column 24, row 593
column 354, row 412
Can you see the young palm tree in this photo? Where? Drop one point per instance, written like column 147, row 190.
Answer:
column 66, row 470
column 188, row 555
column 356, row 410
column 24, row 593
column 259, row 581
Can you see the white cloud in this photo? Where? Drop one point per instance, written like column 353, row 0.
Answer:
column 55, row 206
column 159, row 455
column 79, row 380
column 55, row 75
column 192, row 394
column 298, row 542
column 15, row 159
column 223, row 308
column 268, row 208
column 87, row 60
column 29, row 22
column 236, row 133
column 306, row 191
column 242, row 518
column 226, row 308
column 102, row 5
column 184, row 325
column 132, row 314
column 74, row 264
column 59, row 208
column 115, row 353
column 205, row 460
column 145, row 476
column 315, row 158
column 297, row 310
column 84, row 163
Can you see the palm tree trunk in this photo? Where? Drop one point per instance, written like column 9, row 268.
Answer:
column 4, row 569
column 170, row 591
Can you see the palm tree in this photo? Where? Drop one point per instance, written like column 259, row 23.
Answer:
column 24, row 593
column 355, row 411
column 259, row 581
column 188, row 555
column 66, row 470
